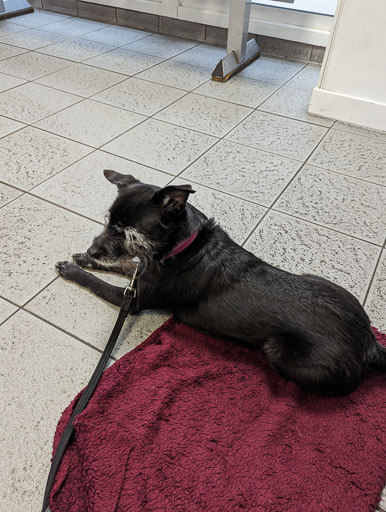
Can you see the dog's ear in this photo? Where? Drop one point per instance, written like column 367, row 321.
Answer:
column 173, row 198
column 119, row 179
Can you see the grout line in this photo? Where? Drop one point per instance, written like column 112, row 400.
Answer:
column 300, row 169
column 74, row 336
column 64, row 208
column 12, row 56
column 365, row 180
column 313, row 123
column 225, row 192
column 372, row 278
column 11, row 89
column 39, row 292
column 34, row 49
column 15, row 131
column 375, row 244
column 10, row 301
column 254, row 228
column 89, row 97
column 10, row 316
column 14, row 199
column 340, row 129
column 157, row 34
column 287, row 185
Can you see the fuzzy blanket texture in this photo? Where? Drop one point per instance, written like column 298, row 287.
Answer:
column 190, row 423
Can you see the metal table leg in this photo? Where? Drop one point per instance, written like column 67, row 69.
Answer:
column 240, row 52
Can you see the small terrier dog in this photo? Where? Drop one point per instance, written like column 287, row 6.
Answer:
column 313, row 331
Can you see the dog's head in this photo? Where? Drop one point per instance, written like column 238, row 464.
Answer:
column 141, row 220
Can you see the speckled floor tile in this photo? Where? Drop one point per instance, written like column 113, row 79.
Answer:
column 161, row 46
column 31, row 102
column 382, row 503
column 307, row 79
column 161, row 146
column 10, row 28
column 7, row 51
column 32, row 65
column 206, row 115
column 73, row 27
column 40, row 377
column 37, row 19
column 6, row 310
column 376, row 300
column 176, row 74
column 268, row 69
column 286, row 137
column 8, row 82
column 35, row 235
column 82, row 80
column 32, row 39
column 116, row 36
column 242, row 171
column 8, row 126
column 30, row 156
column 343, row 203
column 237, row 217
column 353, row 155
column 124, row 61
column 360, row 130
column 76, row 49
column 203, row 55
column 240, row 90
column 8, row 194
column 290, row 102
column 140, row 96
column 300, row 247
column 90, row 122
column 83, row 188
column 63, row 304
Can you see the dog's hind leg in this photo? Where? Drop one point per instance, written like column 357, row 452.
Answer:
column 106, row 291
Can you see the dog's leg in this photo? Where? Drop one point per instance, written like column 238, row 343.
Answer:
column 106, row 291
column 84, row 260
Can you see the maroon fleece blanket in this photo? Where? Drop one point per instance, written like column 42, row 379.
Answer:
column 189, row 423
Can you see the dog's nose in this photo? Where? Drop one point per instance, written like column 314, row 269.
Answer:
column 94, row 252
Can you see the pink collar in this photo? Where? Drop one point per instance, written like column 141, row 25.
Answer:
column 182, row 245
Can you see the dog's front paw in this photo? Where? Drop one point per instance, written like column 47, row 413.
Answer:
column 68, row 270
column 83, row 260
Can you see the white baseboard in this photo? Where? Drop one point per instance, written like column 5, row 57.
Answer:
column 349, row 109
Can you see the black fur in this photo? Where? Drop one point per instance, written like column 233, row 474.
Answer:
column 313, row 331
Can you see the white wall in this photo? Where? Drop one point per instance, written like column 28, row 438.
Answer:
column 352, row 84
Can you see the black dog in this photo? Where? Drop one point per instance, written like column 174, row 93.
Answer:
column 313, row 331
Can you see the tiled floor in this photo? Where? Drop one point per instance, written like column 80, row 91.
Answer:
column 69, row 108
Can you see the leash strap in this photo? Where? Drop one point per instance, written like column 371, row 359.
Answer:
column 129, row 294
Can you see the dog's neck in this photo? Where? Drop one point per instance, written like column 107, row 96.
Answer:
column 181, row 246
column 190, row 226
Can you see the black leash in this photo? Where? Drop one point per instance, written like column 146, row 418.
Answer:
column 129, row 294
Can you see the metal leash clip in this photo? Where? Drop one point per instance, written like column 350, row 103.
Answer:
column 131, row 286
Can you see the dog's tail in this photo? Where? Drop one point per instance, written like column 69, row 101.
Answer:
column 377, row 357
